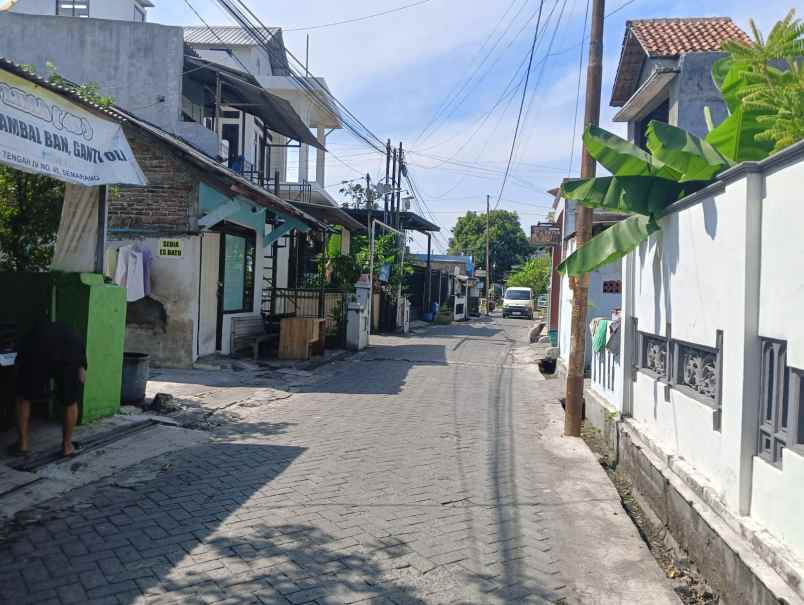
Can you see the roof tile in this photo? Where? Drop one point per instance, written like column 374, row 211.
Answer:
column 674, row 37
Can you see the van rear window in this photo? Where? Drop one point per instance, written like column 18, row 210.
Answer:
column 517, row 295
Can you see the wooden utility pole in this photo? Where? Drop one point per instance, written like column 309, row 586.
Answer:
column 488, row 251
column 583, row 233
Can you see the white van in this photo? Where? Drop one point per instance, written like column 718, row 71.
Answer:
column 518, row 302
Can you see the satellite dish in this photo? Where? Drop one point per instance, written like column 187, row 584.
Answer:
column 7, row 5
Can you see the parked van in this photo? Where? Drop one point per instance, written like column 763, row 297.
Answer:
column 518, row 302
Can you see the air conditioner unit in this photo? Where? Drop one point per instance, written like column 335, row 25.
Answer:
column 223, row 151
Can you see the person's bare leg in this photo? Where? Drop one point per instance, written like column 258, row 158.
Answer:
column 70, row 420
column 23, row 420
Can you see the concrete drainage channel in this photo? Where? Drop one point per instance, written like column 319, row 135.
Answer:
column 688, row 583
column 31, row 464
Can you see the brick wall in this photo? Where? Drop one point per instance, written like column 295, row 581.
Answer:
column 168, row 205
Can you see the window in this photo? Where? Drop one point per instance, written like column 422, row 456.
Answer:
column 781, row 424
column 660, row 114
column 238, row 263
column 613, row 287
column 72, row 8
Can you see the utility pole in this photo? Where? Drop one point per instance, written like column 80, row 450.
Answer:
column 583, row 233
column 393, row 187
column 369, row 197
column 387, row 178
column 488, row 251
column 397, row 219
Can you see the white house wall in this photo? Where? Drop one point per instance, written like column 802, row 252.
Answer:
column 208, row 316
column 731, row 261
column 601, row 304
column 684, row 275
column 174, row 286
column 778, row 493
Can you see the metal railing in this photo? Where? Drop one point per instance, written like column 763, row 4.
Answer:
column 308, row 303
column 292, row 192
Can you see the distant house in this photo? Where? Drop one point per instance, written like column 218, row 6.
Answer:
column 664, row 74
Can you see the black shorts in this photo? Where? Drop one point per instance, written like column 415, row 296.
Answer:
column 34, row 376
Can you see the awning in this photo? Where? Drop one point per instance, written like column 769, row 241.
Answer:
column 242, row 91
column 648, row 93
column 331, row 215
column 407, row 220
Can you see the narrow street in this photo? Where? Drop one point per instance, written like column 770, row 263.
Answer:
column 427, row 469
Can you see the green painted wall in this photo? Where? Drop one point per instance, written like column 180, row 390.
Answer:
column 96, row 310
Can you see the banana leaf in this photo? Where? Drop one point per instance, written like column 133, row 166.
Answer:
column 696, row 159
column 735, row 138
column 646, row 195
column 609, row 246
column 623, row 158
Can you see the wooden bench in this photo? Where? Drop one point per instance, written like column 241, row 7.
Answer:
column 300, row 338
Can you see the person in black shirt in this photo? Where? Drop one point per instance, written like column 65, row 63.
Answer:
column 52, row 350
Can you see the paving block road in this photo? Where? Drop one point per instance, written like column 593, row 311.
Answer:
column 427, row 469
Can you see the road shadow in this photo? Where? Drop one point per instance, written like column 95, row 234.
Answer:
column 203, row 525
column 380, row 369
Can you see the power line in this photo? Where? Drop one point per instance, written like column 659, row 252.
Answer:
column 357, row 19
column 578, row 92
column 521, row 105
column 246, row 18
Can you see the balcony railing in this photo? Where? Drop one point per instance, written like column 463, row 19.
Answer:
column 292, row 192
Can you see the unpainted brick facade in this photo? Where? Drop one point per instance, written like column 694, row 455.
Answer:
column 169, row 204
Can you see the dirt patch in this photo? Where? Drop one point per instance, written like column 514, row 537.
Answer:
column 688, row 583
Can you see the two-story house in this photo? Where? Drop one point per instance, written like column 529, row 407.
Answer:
column 664, row 74
column 153, row 76
column 301, row 166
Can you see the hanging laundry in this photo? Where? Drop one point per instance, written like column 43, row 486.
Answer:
column 147, row 263
column 613, row 339
column 600, row 337
column 130, row 273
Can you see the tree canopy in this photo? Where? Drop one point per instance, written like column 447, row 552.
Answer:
column 30, row 209
column 509, row 244
column 534, row 274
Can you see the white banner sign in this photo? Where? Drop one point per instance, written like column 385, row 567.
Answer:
column 45, row 133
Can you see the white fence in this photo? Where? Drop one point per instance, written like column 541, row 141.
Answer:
column 713, row 305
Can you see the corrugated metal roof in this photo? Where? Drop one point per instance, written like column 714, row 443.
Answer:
column 228, row 35
column 231, row 36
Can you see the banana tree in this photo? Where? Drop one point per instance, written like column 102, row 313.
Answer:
column 644, row 184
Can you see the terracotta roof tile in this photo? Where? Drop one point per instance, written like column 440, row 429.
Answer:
column 673, row 37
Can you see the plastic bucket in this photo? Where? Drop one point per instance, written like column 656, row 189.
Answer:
column 553, row 336
column 136, row 367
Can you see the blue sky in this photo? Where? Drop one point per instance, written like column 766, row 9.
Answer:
column 432, row 75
